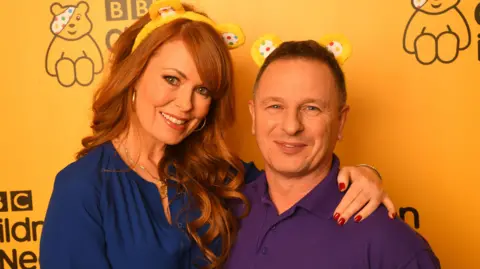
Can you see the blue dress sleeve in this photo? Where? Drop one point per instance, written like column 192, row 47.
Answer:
column 251, row 172
column 72, row 235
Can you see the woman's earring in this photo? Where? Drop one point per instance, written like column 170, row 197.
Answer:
column 203, row 125
column 133, row 97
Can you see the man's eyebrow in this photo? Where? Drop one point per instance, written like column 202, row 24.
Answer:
column 320, row 102
column 272, row 98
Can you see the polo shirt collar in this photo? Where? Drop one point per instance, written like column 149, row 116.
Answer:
column 320, row 201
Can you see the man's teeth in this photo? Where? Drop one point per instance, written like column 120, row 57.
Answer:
column 174, row 120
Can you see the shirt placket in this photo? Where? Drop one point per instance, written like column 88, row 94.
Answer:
column 268, row 230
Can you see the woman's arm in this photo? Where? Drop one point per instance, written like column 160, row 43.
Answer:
column 251, row 172
column 365, row 194
column 72, row 235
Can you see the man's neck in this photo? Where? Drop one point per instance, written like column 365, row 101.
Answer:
column 285, row 190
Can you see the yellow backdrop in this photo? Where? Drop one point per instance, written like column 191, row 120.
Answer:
column 414, row 108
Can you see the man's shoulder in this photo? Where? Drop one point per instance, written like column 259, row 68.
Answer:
column 392, row 242
column 379, row 228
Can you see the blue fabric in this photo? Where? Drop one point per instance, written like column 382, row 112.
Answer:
column 102, row 215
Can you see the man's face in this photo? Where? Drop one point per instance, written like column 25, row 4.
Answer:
column 296, row 116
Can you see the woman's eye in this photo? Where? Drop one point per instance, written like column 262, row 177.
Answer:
column 203, row 91
column 171, row 80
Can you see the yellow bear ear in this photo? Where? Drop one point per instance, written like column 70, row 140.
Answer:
column 263, row 46
column 83, row 6
column 338, row 45
column 232, row 35
column 165, row 8
column 56, row 9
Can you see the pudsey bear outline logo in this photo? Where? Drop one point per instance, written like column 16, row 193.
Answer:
column 437, row 30
column 73, row 64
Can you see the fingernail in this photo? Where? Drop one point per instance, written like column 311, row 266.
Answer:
column 341, row 222
column 336, row 216
column 358, row 218
column 341, row 186
column 393, row 216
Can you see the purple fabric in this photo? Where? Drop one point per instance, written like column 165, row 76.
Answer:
column 306, row 236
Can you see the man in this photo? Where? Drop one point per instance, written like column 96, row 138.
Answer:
column 299, row 110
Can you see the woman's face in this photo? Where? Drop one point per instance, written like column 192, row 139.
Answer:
column 171, row 100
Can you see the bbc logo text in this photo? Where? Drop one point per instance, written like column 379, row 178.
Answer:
column 16, row 201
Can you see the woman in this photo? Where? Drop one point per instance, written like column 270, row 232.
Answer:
column 149, row 188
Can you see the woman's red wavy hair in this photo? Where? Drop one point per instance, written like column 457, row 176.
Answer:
column 205, row 168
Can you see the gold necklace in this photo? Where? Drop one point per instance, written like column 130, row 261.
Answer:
column 162, row 188
column 134, row 164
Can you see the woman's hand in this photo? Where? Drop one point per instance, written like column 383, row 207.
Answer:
column 366, row 194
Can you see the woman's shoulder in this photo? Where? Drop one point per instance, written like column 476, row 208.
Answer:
column 85, row 172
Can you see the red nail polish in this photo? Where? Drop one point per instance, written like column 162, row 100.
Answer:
column 336, row 216
column 341, row 222
column 358, row 218
column 394, row 215
column 341, row 186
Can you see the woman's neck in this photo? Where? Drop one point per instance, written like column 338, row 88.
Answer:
column 139, row 148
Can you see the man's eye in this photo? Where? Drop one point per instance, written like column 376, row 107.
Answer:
column 312, row 108
column 275, row 106
column 171, row 80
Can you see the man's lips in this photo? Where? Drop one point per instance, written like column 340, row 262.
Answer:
column 290, row 147
column 290, row 144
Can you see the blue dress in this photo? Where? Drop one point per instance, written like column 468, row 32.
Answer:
column 102, row 219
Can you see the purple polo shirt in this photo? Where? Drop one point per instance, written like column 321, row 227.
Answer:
column 306, row 236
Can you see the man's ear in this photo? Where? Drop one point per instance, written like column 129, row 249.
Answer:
column 343, row 119
column 251, row 108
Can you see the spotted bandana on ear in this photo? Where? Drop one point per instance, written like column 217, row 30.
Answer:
column 62, row 19
column 419, row 3
column 263, row 47
column 164, row 11
column 338, row 45
column 335, row 43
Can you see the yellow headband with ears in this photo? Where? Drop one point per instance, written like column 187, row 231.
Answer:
column 164, row 11
column 335, row 43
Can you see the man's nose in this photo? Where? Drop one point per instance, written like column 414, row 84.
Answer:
column 292, row 122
